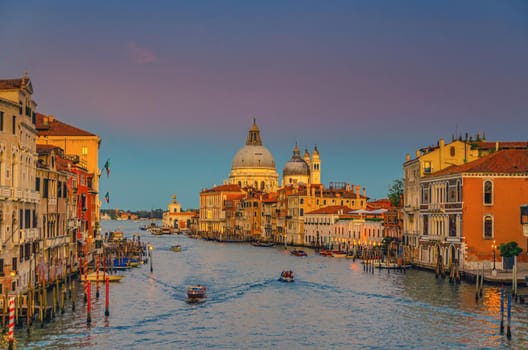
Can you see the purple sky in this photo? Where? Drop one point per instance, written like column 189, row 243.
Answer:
column 172, row 86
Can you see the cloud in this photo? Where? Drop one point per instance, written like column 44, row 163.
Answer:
column 141, row 55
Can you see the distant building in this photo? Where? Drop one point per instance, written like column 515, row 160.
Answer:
column 175, row 218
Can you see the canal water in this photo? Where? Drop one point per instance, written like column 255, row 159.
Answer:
column 333, row 304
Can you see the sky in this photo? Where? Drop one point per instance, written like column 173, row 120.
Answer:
column 172, row 87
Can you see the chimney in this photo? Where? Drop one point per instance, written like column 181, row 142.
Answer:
column 51, row 118
column 497, row 146
column 407, row 157
column 364, row 192
column 358, row 188
column 417, row 153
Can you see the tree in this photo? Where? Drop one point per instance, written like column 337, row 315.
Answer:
column 396, row 192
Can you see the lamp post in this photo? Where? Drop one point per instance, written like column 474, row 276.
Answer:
column 494, row 248
column 150, row 252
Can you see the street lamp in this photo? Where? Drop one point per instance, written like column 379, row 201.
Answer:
column 494, row 248
column 150, row 252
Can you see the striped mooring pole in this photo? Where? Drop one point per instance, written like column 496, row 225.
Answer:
column 11, row 333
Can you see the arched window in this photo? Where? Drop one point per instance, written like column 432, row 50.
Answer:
column 488, row 227
column 488, row 192
column 452, row 151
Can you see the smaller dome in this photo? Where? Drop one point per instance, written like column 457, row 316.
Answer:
column 296, row 166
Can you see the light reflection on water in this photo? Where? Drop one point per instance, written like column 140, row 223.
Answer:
column 333, row 304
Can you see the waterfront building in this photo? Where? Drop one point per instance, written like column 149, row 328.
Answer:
column 18, row 199
column 54, row 245
column 175, row 218
column 259, row 209
column 213, row 209
column 465, row 209
column 74, row 141
column 254, row 165
column 339, row 227
column 428, row 160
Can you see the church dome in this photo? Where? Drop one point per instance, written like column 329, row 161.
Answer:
column 296, row 166
column 253, row 154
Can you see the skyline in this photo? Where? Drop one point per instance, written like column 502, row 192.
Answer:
column 173, row 90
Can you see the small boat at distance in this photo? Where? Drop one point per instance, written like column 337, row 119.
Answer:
column 286, row 276
column 298, row 252
column 324, row 252
column 338, row 254
column 196, row 294
column 100, row 277
column 176, row 248
column 262, row 244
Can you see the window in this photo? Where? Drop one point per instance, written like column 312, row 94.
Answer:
column 425, row 225
column 37, row 184
column 488, row 227
column 1, row 121
column 84, row 150
column 452, row 151
column 45, row 189
column 427, row 167
column 14, row 125
column 488, row 192
column 452, row 225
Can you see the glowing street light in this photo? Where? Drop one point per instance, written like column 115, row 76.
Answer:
column 494, row 248
column 150, row 252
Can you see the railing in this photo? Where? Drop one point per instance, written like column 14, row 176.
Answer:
column 5, row 192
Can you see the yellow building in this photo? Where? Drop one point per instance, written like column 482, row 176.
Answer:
column 253, row 165
column 73, row 141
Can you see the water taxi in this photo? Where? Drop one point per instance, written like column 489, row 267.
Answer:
column 286, row 276
column 298, row 252
column 196, row 294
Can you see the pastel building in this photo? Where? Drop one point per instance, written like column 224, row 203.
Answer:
column 465, row 209
column 175, row 218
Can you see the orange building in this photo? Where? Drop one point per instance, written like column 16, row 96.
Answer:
column 467, row 208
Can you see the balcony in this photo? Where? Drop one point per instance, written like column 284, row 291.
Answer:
column 5, row 192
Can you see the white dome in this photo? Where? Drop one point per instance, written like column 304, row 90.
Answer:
column 253, row 156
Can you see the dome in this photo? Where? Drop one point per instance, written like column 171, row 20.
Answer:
column 253, row 156
column 296, row 166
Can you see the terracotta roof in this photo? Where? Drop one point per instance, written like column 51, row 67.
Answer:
column 331, row 209
column 505, row 161
column 502, row 145
column 223, row 188
column 49, row 126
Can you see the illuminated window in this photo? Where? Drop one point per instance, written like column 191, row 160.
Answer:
column 84, row 150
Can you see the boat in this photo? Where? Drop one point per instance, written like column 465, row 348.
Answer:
column 387, row 265
column 298, row 252
column 176, row 248
column 196, row 294
column 262, row 244
column 338, row 254
column 94, row 277
column 286, row 276
column 325, row 252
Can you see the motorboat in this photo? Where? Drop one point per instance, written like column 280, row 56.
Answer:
column 298, row 252
column 338, row 254
column 286, row 276
column 196, row 294
column 325, row 252
column 100, row 277
column 176, row 248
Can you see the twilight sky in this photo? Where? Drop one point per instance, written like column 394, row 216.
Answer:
column 172, row 87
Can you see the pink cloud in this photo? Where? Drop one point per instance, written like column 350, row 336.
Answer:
column 141, row 55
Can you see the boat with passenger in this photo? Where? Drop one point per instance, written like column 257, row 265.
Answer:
column 286, row 276
column 324, row 252
column 176, row 248
column 196, row 294
column 297, row 252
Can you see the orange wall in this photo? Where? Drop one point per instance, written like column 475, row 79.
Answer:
column 509, row 193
